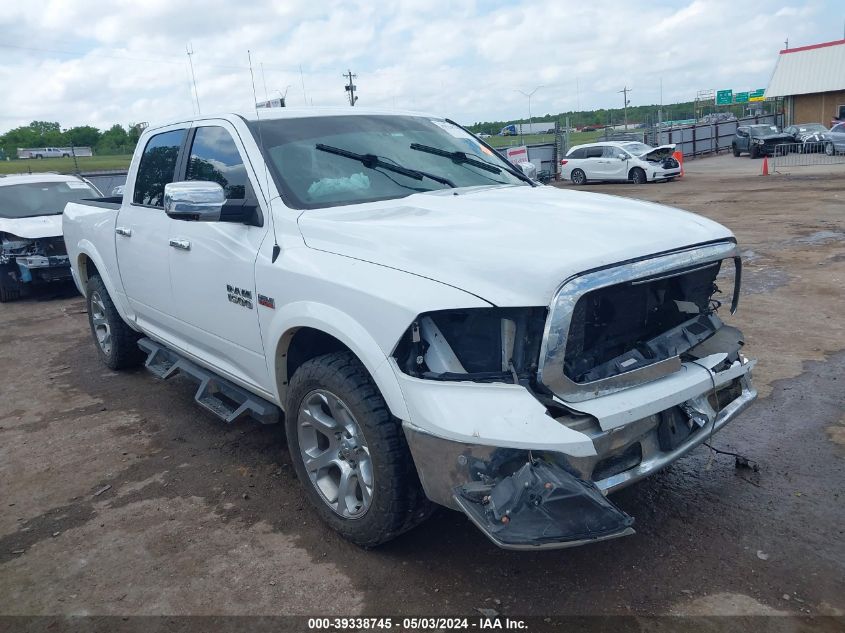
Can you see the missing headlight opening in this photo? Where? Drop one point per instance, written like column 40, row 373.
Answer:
column 479, row 344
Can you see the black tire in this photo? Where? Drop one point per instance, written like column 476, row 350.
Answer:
column 122, row 351
column 39, row 156
column 735, row 150
column 10, row 285
column 829, row 149
column 752, row 152
column 578, row 177
column 398, row 502
column 638, row 176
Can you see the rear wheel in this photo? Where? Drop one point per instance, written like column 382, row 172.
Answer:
column 578, row 177
column 638, row 176
column 116, row 342
column 735, row 150
column 10, row 285
column 349, row 453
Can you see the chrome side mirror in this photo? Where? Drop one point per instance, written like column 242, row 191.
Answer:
column 197, row 200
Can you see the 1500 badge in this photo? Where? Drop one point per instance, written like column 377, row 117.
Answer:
column 239, row 296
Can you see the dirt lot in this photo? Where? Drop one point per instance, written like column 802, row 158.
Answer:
column 120, row 496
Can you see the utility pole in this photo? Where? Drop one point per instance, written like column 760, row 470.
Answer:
column 350, row 87
column 189, row 49
column 625, row 92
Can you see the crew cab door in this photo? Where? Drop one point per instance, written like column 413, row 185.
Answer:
column 212, row 264
column 141, row 233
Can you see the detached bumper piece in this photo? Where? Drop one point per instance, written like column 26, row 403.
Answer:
column 541, row 506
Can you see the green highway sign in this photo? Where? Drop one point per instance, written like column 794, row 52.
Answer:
column 724, row 97
column 757, row 95
column 741, row 97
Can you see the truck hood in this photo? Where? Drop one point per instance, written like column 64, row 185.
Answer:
column 512, row 246
column 33, row 228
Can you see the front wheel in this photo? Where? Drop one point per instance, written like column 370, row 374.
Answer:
column 117, row 343
column 578, row 177
column 735, row 150
column 829, row 149
column 349, row 453
column 638, row 176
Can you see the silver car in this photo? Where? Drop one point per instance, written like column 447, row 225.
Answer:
column 834, row 140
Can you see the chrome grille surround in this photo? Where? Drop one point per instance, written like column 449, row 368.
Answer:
column 551, row 369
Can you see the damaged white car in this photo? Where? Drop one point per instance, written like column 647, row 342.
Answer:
column 32, row 250
column 430, row 325
column 626, row 161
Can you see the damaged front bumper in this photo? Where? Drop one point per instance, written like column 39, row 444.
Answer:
column 43, row 268
column 491, row 462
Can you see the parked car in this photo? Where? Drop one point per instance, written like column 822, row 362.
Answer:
column 809, row 135
column 834, row 140
column 758, row 140
column 31, row 246
column 436, row 327
column 619, row 161
column 49, row 152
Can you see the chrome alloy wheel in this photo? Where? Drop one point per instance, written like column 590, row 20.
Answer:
column 335, row 454
column 102, row 329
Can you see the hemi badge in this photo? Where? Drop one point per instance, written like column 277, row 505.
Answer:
column 267, row 302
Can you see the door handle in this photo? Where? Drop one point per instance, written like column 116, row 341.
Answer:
column 184, row 245
column 121, row 230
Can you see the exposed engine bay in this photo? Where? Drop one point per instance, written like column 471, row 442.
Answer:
column 27, row 260
column 614, row 329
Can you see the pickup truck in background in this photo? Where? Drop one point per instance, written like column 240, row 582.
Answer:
column 432, row 326
column 32, row 250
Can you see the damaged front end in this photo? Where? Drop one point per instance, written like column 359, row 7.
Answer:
column 526, row 418
column 27, row 260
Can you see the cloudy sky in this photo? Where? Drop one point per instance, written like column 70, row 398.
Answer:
column 91, row 62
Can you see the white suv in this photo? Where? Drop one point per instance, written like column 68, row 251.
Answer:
column 620, row 161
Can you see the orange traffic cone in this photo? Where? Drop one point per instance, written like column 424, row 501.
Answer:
column 679, row 156
column 765, row 165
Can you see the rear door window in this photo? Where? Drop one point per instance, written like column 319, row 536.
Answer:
column 576, row 153
column 594, row 152
column 157, row 168
column 215, row 157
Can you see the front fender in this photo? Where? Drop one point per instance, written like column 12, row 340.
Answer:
column 344, row 328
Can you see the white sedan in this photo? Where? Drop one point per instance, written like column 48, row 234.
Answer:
column 627, row 161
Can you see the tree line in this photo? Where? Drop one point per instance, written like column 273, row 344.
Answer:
column 114, row 141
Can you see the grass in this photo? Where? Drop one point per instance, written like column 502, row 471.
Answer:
column 575, row 138
column 64, row 165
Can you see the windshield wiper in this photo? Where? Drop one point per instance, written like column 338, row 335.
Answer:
column 457, row 156
column 372, row 161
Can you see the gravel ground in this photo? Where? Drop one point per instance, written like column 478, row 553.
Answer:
column 121, row 497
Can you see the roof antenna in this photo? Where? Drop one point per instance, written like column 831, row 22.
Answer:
column 276, row 248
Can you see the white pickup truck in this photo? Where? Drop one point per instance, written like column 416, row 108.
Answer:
column 431, row 325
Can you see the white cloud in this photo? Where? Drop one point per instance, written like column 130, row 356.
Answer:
column 125, row 61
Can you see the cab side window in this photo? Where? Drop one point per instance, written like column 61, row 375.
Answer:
column 215, row 157
column 157, row 168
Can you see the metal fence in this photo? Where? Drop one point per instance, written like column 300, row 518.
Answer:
column 805, row 155
column 707, row 138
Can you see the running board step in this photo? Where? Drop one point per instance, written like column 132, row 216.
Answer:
column 216, row 394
